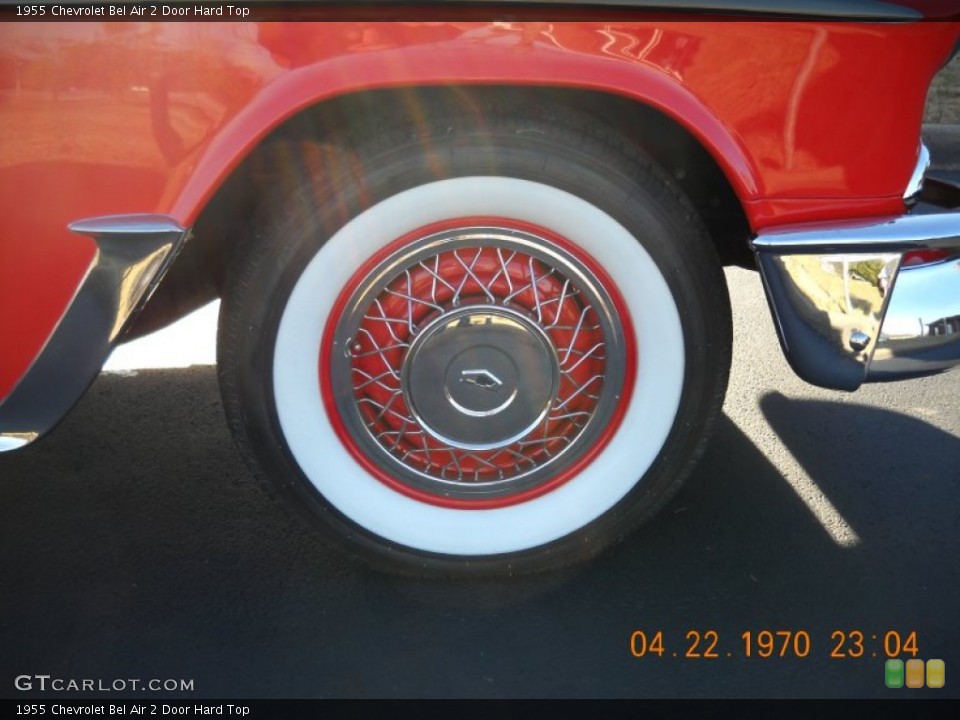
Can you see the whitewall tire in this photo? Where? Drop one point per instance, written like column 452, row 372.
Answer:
column 518, row 407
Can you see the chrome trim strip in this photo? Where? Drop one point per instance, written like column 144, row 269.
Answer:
column 133, row 253
column 916, row 180
column 139, row 224
column 847, row 313
column 899, row 234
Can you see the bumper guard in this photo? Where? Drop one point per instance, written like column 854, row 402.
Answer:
column 133, row 253
column 846, row 307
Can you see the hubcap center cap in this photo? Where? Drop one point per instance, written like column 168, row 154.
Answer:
column 480, row 377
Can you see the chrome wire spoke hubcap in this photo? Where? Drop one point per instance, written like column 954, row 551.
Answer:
column 477, row 363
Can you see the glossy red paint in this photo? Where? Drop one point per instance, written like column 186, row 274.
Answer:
column 765, row 214
column 808, row 120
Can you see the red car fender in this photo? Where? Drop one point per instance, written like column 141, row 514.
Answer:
column 447, row 63
column 835, row 136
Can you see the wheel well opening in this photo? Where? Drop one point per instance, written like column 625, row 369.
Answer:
column 197, row 276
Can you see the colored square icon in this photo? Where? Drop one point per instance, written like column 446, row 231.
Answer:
column 915, row 673
column 893, row 673
column 936, row 670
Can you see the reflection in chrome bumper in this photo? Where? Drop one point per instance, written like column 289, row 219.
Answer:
column 921, row 329
column 133, row 252
column 848, row 313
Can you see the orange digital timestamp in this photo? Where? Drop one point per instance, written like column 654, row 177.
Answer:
column 698, row 644
column 769, row 643
column 854, row 644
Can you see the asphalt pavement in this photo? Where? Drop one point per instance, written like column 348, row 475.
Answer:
column 134, row 546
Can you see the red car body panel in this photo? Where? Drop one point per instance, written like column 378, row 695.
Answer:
column 809, row 121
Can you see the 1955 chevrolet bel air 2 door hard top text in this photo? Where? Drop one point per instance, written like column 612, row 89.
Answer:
column 473, row 316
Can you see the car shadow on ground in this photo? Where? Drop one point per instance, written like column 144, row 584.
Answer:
column 135, row 545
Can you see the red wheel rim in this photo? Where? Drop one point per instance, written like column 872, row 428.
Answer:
column 477, row 271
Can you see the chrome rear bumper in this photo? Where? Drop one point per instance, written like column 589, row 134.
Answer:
column 846, row 309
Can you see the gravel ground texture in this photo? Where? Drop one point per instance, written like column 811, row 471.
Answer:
column 943, row 101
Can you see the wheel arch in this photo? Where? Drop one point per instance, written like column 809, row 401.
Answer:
column 684, row 137
column 309, row 88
